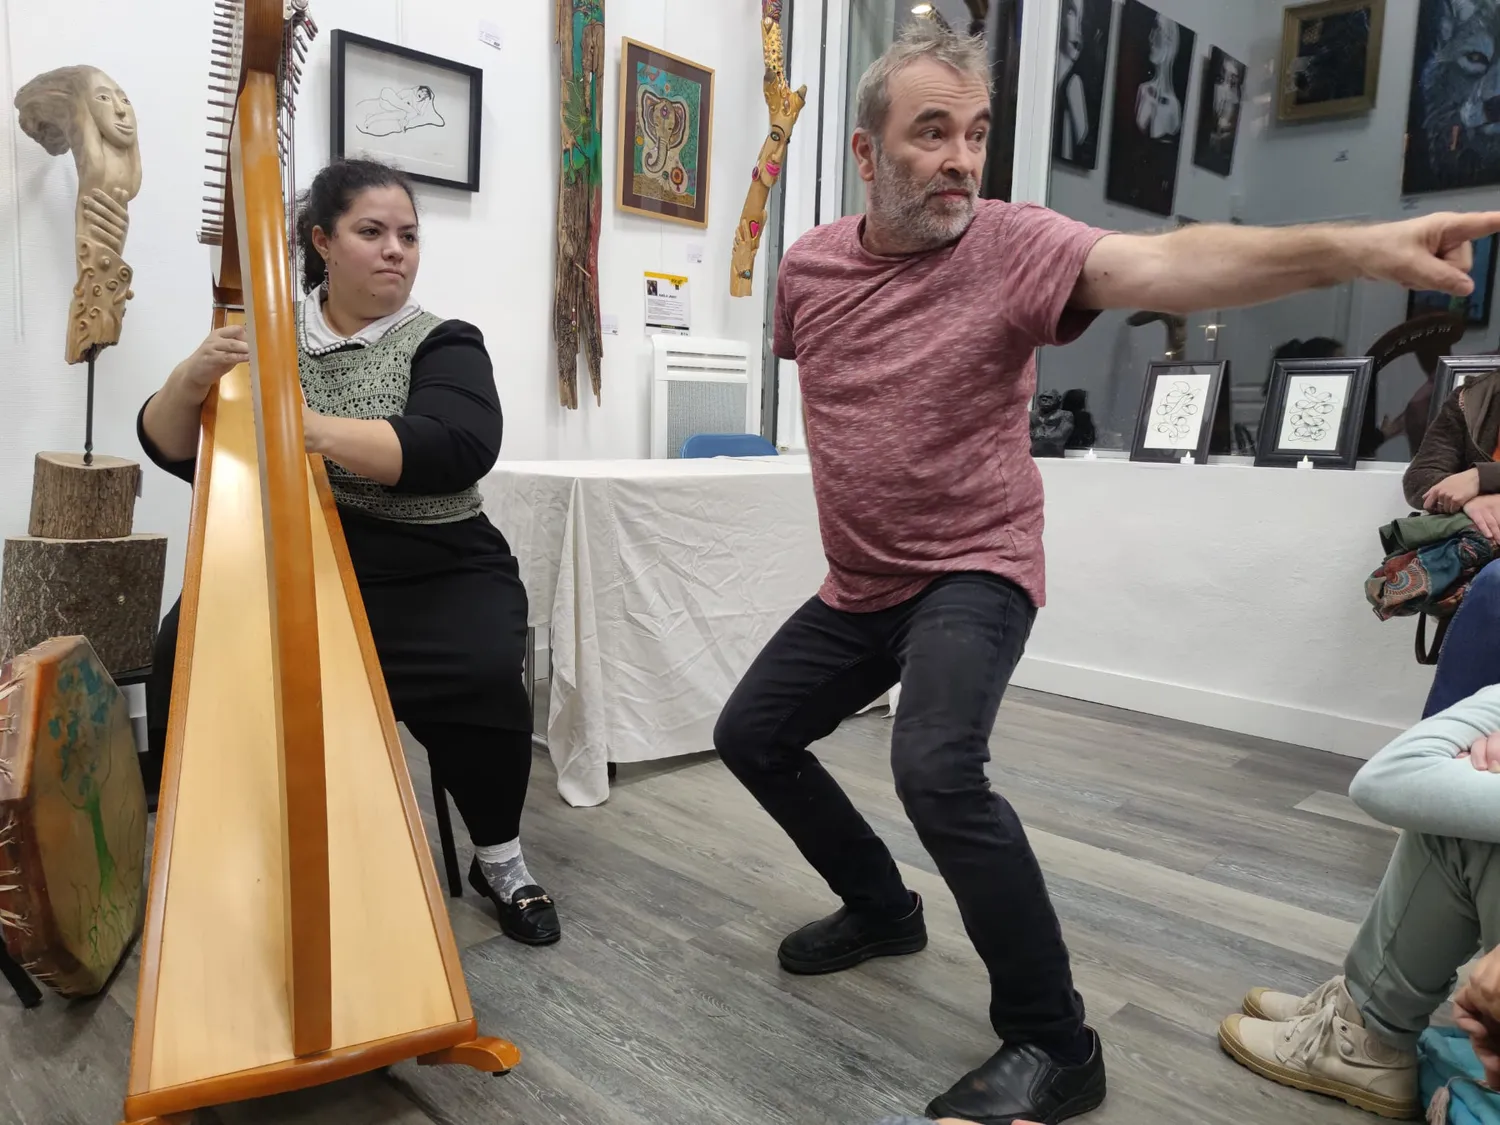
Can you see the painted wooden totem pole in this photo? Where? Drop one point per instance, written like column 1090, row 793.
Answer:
column 580, row 196
column 785, row 105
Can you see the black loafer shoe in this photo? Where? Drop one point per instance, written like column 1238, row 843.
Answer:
column 529, row 916
column 844, row 939
column 1023, row 1083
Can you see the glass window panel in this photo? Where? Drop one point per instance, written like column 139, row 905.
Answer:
column 1155, row 123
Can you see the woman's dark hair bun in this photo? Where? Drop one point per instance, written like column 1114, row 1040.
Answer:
column 333, row 192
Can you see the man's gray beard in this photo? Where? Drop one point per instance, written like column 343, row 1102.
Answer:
column 900, row 205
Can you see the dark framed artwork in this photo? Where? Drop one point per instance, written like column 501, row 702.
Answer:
column 1330, row 59
column 1177, row 412
column 1151, row 89
column 1454, row 371
column 413, row 110
column 666, row 134
column 1082, row 59
column 1475, row 308
column 1223, row 90
column 1314, row 409
column 1452, row 116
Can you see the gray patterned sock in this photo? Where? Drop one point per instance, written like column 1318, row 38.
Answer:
column 504, row 868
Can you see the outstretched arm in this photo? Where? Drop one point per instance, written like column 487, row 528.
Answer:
column 1216, row 266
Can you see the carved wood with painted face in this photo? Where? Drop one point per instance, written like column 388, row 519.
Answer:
column 785, row 106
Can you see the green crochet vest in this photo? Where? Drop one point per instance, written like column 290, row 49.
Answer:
column 373, row 382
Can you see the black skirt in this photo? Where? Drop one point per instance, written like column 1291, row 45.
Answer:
column 447, row 612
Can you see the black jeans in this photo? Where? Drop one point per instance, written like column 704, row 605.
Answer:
column 952, row 648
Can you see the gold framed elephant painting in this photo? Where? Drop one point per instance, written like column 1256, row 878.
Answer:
column 666, row 134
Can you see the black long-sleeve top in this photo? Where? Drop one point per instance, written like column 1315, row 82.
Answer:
column 450, row 435
column 451, row 429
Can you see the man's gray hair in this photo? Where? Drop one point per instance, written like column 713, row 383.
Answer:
column 922, row 39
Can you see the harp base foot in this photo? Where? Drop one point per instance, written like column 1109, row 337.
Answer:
column 494, row 1056
column 172, row 1119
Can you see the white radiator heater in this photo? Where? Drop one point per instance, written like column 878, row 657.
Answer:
column 699, row 387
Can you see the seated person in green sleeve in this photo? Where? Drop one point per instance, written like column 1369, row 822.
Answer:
column 1438, row 905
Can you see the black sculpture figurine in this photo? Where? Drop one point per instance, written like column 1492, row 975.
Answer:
column 1051, row 425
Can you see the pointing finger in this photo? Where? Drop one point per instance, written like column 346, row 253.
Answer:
column 1467, row 226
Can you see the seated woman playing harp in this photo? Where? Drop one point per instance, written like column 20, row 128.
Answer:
column 402, row 405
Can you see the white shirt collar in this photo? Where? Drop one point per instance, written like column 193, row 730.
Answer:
column 318, row 337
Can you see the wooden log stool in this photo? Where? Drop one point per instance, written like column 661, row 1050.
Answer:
column 80, row 571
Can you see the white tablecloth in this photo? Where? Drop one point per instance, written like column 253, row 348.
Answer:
column 660, row 581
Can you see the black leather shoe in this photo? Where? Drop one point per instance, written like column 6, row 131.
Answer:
column 844, row 939
column 1023, row 1083
column 529, row 916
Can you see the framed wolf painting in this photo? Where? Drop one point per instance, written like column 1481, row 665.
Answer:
column 1453, row 116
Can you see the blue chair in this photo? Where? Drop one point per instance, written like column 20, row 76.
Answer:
column 727, row 445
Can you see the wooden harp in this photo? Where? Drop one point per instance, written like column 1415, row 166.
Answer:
column 295, row 931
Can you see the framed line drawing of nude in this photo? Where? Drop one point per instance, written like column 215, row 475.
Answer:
column 416, row 111
column 666, row 134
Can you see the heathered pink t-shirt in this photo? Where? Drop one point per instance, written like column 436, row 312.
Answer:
column 917, row 373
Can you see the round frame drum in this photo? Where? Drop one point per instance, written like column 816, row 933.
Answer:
column 72, row 818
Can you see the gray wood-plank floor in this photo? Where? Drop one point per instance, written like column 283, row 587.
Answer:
column 1186, row 864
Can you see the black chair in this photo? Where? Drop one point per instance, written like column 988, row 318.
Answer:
column 20, row 980
column 445, row 838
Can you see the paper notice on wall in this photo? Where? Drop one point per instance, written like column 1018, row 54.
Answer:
column 695, row 253
column 667, row 306
column 609, row 324
column 491, row 34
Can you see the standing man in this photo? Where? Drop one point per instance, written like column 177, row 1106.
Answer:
column 914, row 328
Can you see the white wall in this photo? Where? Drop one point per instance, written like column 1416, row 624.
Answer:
column 1225, row 595
column 486, row 257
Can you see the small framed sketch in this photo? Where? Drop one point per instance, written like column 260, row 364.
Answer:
column 666, row 134
column 1177, row 411
column 416, row 111
column 1475, row 308
column 1453, row 371
column 1314, row 410
column 1330, row 58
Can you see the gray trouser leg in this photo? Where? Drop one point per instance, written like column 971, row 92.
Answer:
column 1438, row 904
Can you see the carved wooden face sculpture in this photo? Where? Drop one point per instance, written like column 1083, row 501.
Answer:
column 111, row 110
column 82, row 110
column 773, row 152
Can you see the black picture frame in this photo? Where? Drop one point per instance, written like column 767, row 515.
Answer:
column 1342, row 420
column 1188, row 412
column 1215, row 138
column 1142, row 170
column 1084, row 31
column 339, row 105
column 1455, row 370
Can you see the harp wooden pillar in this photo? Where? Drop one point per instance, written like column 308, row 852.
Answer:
column 296, row 933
